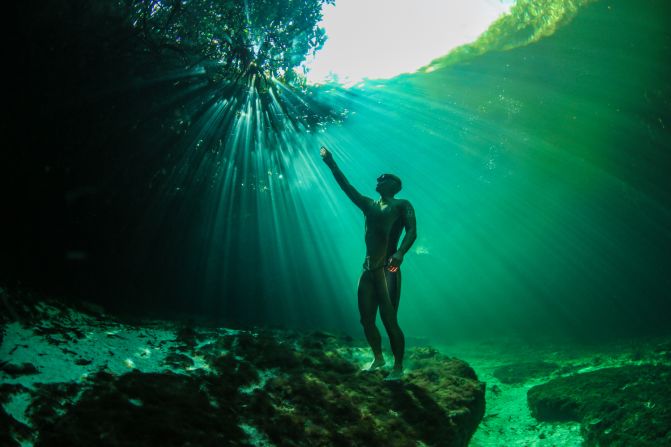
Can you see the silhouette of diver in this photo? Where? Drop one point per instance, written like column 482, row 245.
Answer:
column 380, row 282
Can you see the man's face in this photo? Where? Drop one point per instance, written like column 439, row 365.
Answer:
column 386, row 184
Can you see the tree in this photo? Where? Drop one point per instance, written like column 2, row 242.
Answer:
column 239, row 44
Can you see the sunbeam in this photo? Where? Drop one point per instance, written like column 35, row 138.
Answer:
column 512, row 138
column 337, row 222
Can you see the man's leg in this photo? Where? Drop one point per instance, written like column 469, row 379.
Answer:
column 389, row 319
column 368, row 312
column 394, row 287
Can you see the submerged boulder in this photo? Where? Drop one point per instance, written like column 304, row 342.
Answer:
column 142, row 409
column 626, row 406
column 10, row 428
column 96, row 381
column 267, row 388
column 14, row 370
column 517, row 373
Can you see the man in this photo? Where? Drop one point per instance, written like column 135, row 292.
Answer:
column 380, row 282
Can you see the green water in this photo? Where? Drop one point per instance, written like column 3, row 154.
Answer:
column 158, row 180
column 539, row 179
column 537, row 160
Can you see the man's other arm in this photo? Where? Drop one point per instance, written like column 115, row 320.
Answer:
column 410, row 224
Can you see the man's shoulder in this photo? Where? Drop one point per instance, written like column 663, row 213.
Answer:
column 403, row 203
column 366, row 203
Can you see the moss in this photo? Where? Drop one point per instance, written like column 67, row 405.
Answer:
column 265, row 351
column 286, row 429
column 239, row 373
column 341, row 406
column 143, row 409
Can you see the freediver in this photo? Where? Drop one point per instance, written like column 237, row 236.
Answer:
column 380, row 282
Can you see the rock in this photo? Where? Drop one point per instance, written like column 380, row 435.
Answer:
column 179, row 361
column 273, row 387
column 23, row 369
column 11, row 430
column 57, row 333
column 144, row 409
column 626, row 406
column 232, row 388
column 92, row 308
column 518, row 373
column 423, row 352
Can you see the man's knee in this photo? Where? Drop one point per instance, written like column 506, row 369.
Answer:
column 367, row 321
column 389, row 319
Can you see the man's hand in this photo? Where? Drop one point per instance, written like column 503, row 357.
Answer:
column 326, row 154
column 395, row 262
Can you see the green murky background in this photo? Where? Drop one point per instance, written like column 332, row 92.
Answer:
column 539, row 175
column 537, row 159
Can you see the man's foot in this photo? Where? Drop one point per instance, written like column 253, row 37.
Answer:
column 395, row 375
column 375, row 365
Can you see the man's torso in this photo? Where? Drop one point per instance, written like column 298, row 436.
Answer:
column 384, row 223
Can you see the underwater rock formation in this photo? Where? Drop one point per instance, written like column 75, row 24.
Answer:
column 517, row 373
column 225, row 387
column 17, row 370
column 626, row 406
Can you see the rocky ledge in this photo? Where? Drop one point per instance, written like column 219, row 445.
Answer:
column 77, row 379
column 628, row 406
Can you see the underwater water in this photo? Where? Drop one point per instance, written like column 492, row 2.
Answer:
column 538, row 175
column 537, row 218
column 537, row 159
column 539, row 179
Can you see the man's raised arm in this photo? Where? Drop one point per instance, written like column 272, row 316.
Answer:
column 354, row 195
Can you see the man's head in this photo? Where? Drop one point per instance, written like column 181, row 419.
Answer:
column 388, row 184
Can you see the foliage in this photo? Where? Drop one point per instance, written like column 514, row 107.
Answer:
column 233, row 39
column 528, row 22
